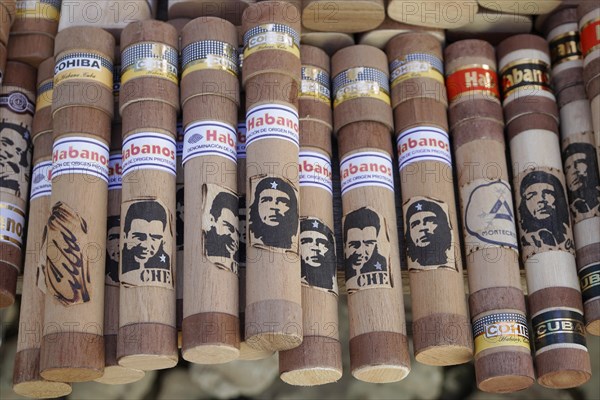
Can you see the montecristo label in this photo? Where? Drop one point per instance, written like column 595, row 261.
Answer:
column 564, row 327
column 271, row 37
column 501, row 329
column 315, row 84
column 42, row 9
column 590, row 36
column 473, row 79
column 589, row 277
column 565, row 48
column 209, row 54
column 155, row 60
column 416, row 65
column 361, row 82
column 83, row 66
column 44, row 95
column 525, row 74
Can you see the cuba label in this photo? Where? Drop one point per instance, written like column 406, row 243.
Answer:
column 368, row 168
column 41, row 180
column 315, row 170
column 209, row 138
column 315, row 84
column 565, row 47
column 149, row 150
column 564, row 327
column 149, row 60
column 44, row 95
column 525, row 74
column 590, row 36
column 501, row 329
column 589, row 277
column 80, row 155
column 12, row 224
column 209, row 54
column 272, row 121
column 83, row 66
column 241, row 140
column 425, row 143
column 39, row 9
column 271, row 37
column 473, row 79
column 115, row 172
column 416, row 65
column 361, row 82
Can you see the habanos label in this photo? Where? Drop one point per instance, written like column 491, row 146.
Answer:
column 416, row 65
column 271, row 37
column 562, row 327
column 115, row 172
column 83, row 66
column 80, row 155
column 361, row 82
column 315, row 84
column 149, row 150
column 366, row 168
column 241, row 140
column 209, row 54
column 44, row 95
column 41, row 180
column 527, row 74
column 272, row 121
column 40, row 9
column 209, row 138
column 590, row 36
column 473, row 79
column 425, row 143
column 144, row 60
column 565, row 47
column 589, row 277
column 12, row 224
column 315, row 170
column 502, row 329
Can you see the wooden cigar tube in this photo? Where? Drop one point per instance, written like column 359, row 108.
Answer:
column 178, row 24
column 271, row 40
column 179, row 238
column 229, row 10
column 330, row 42
column 7, row 18
column 546, row 240
column 3, row 55
column 380, row 36
column 357, row 15
column 318, row 360
column 503, row 362
column 17, row 106
column 433, row 14
column 43, row 104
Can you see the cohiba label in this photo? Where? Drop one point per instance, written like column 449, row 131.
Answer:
column 416, row 65
column 271, row 37
column 361, row 82
column 39, row 9
column 473, row 79
column 315, row 170
column 315, row 84
column 80, row 155
column 12, row 224
column 209, row 54
column 44, row 95
column 564, row 327
column 209, row 138
column 525, row 74
column 41, row 180
column 241, row 140
column 424, row 143
column 83, row 66
column 317, row 254
column 565, row 47
column 149, row 150
column 368, row 168
column 589, row 277
column 272, row 121
column 502, row 329
column 590, row 36
column 115, row 172
column 149, row 60
column 489, row 218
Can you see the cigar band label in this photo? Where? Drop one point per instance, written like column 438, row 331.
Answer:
column 473, row 79
column 17, row 102
column 271, row 37
column 416, row 65
column 149, row 60
column 590, row 36
column 502, row 329
column 80, row 155
column 315, row 84
column 425, row 143
column 526, row 74
column 565, row 47
column 589, row 277
column 115, row 171
column 209, row 54
column 209, row 138
column 361, row 82
column 116, row 81
column 582, row 177
column 12, row 224
column 241, row 140
column 39, row 9
column 272, row 121
column 83, row 66
column 318, row 264
column 488, row 218
column 44, row 95
column 315, row 170
column 41, row 180
column 563, row 327
column 367, row 250
column 366, row 169
column 149, row 151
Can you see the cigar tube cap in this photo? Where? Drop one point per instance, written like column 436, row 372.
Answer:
column 27, row 380
column 72, row 357
column 154, row 347
column 210, row 338
column 114, row 374
column 8, row 276
column 504, row 371
column 317, row 361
